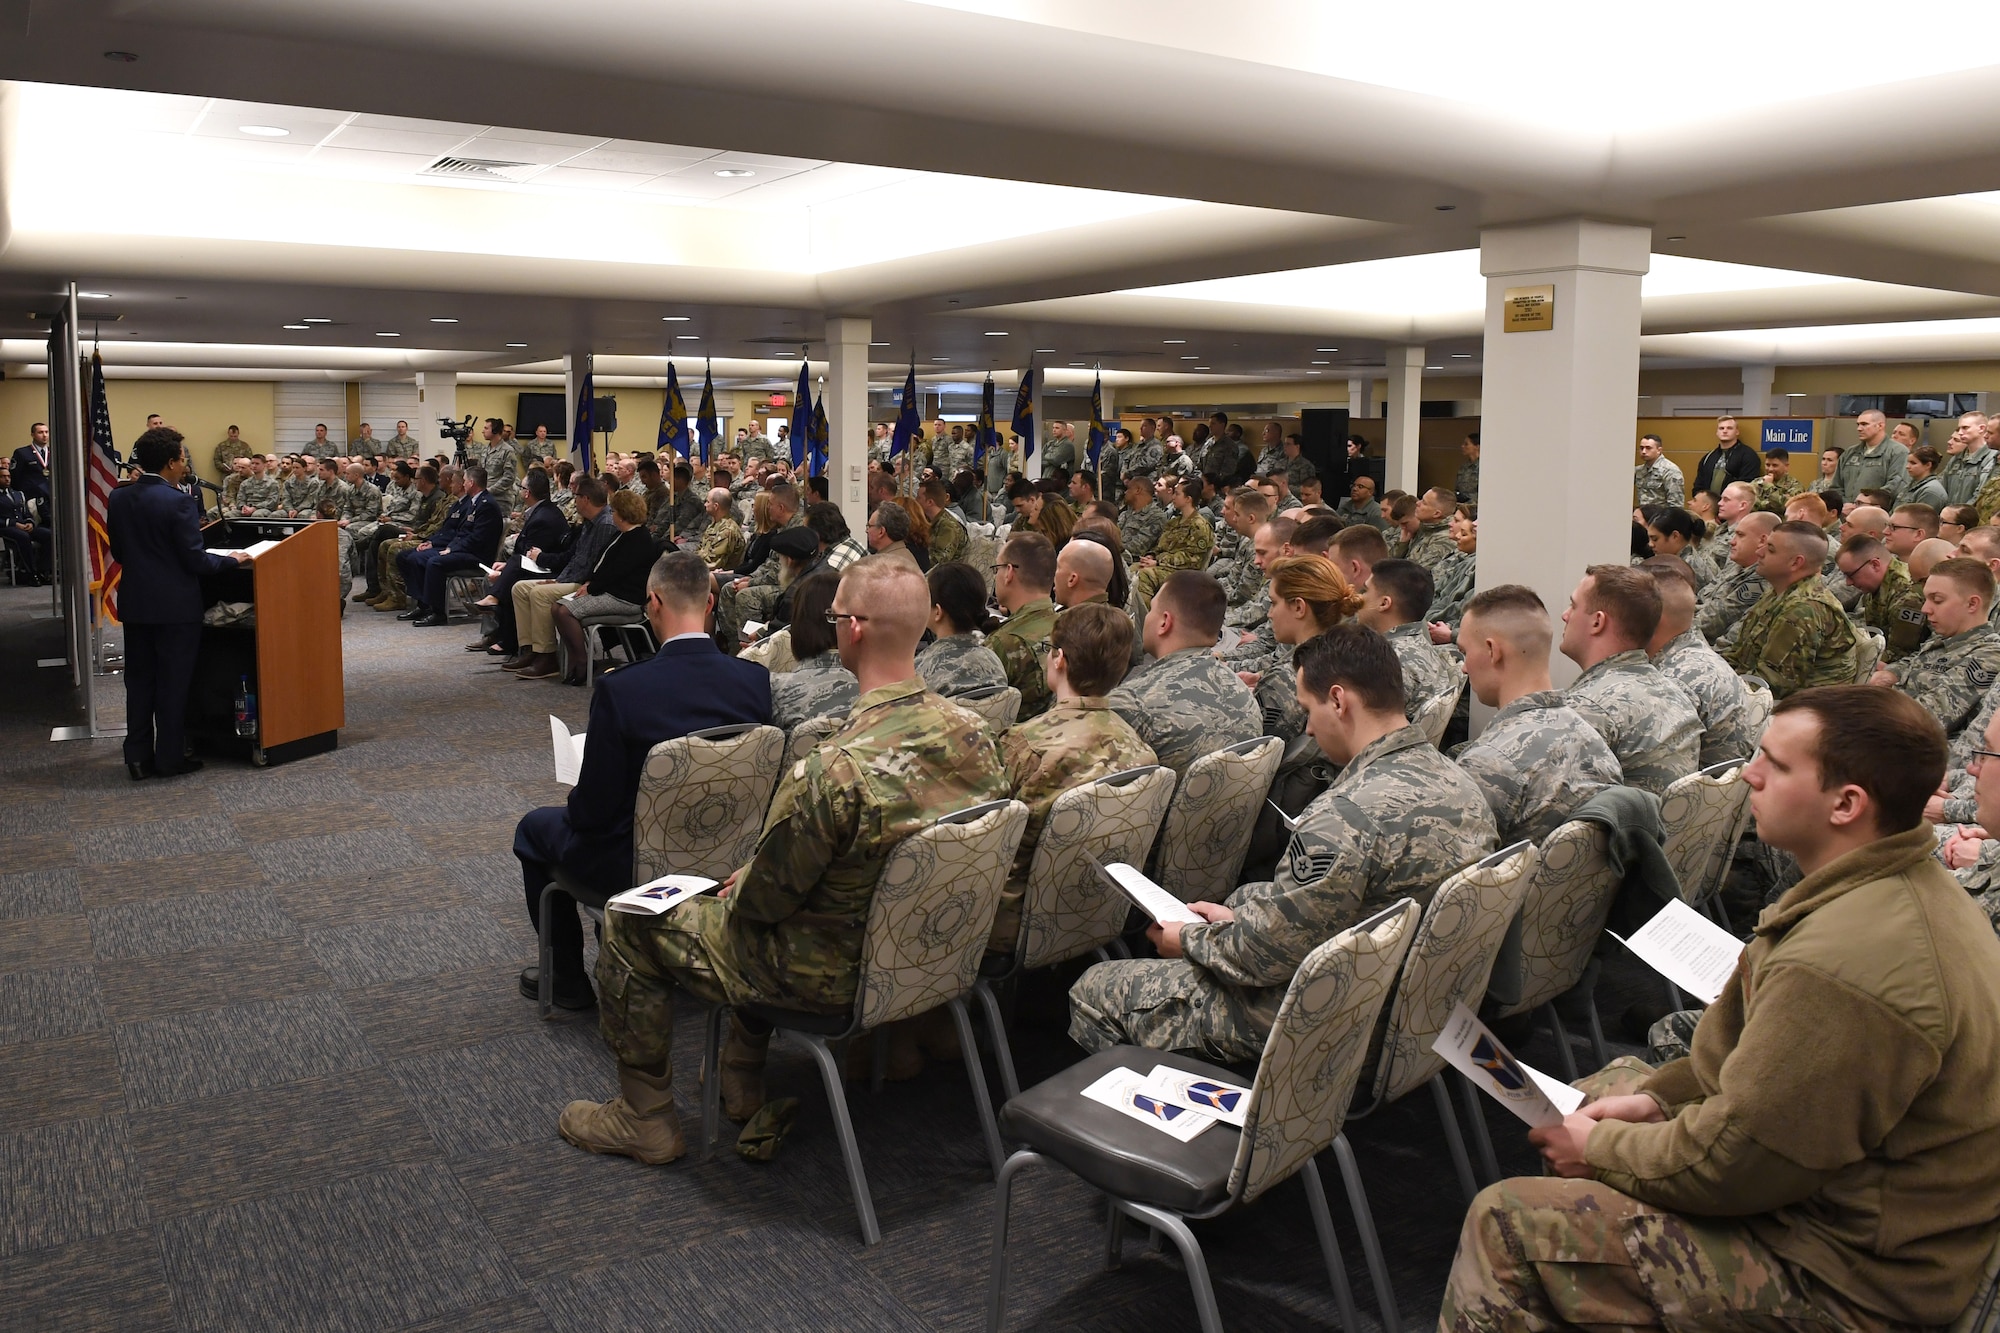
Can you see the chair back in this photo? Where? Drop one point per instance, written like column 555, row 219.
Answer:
column 810, row 734
column 1215, row 814
column 1761, row 704
column 1313, row 1057
column 933, row 910
column 1563, row 913
column 1451, row 960
column 1703, row 815
column 1435, row 715
column 1868, row 647
column 981, row 550
column 702, row 799
column 1067, row 908
column 998, row 704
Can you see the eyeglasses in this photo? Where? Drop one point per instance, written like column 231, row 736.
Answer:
column 1904, row 527
column 835, row 617
column 1004, row 564
column 1975, row 756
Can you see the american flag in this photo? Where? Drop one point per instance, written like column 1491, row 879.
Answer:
column 101, row 476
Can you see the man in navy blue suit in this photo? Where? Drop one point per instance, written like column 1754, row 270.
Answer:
column 155, row 535
column 469, row 538
column 687, row 686
column 31, row 466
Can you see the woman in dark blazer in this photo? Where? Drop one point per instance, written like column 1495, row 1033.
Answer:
column 615, row 592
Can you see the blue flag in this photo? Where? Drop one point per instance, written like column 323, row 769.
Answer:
column 1024, row 412
column 673, row 422
column 579, row 440
column 985, row 436
column 907, row 424
column 801, row 415
column 707, row 428
column 1097, row 435
column 818, row 437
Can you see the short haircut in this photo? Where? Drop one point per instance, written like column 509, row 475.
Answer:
column 537, row 483
column 959, row 590
column 1918, row 515
column 1864, row 548
column 1033, row 557
column 649, row 467
column 1363, row 542
column 1630, row 599
column 683, row 474
column 1778, row 455
column 1402, row 507
column 476, row 475
column 1442, row 497
column 630, row 506
column 1881, row 497
column 426, row 473
column 680, row 580
column 812, row 597
column 1986, row 537
column 1355, row 658
column 895, row 523
column 1650, row 436
column 1096, row 643
column 1283, row 527
column 1808, row 539
column 1821, row 505
column 936, row 492
column 157, row 448
column 1196, row 599
column 1668, row 569
column 401, row 469
column 1878, row 739
column 1411, row 587
column 1972, row 575
column 786, row 494
column 1316, row 533
column 827, row 523
column 1252, row 503
column 589, row 488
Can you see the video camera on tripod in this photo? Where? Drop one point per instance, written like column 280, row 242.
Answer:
column 458, row 432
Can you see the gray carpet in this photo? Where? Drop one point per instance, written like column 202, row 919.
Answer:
column 263, row 1067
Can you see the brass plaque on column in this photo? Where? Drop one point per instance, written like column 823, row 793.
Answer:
column 1528, row 309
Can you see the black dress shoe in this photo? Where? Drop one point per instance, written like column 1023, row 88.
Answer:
column 431, row 621
column 414, row 613
column 564, row 998
column 140, row 772
column 187, row 766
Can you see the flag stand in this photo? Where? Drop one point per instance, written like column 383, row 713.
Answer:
column 87, row 651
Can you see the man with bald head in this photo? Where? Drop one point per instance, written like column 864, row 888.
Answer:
column 1796, row 635
column 1083, row 572
column 786, row 929
column 1877, row 461
column 1728, row 597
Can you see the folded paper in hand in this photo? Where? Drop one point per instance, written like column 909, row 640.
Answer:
column 1687, row 949
column 1291, row 824
column 1153, row 900
column 528, row 566
column 660, row 895
column 1130, row 1092
column 569, row 751
column 1468, row 1047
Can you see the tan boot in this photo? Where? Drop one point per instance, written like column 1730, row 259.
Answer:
column 742, row 1075
column 392, row 604
column 906, row 1058
column 640, row 1122
column 937, row 1035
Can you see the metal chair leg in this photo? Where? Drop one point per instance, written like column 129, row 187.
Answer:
column 1003, row 1052
column 976, row 1075
column 996, row 1288
column 1563, row 1052
column 1454, row 1138
column 711, row 1077
column 878, row 1059
column 1329, row 1248
column 1191, row 1258
column 546, row 983
column 1598, row 1050
column 843, row 1124
column 1481, row 1138
column 1364, row 1221
column 1114, row 1235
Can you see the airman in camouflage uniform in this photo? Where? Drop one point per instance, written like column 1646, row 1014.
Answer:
column 1987, row 502
column 358, row 506
column 1647, row 720
column 1536, row 762
column 422, row 524
column 1795, row 637
column 1772, row 494
column 1428, row 670
column 1896, row 607
column 819, row 686
column 501, row 460
column 1187, row 704
column 1719, row 696
column 1398, row 821
column 301, row 495
column 1452, row 579
column 1022, row 645
column 734, row 609
column 959, row 664
column 690, row 515
column 1139, row 527
column 790, row 931
column 1184, row 543
column 263, row 494
column 1700, row 565
column 949, row 540
column 1147, row 456
column 1952, row 676
column 757, row 449
column 951, row 457
column 1074, row 742
column 1259, row 653
column 1658, row 483
column 1724, row 602
column 1965, row 474
column 722, row 544
column 1432, row 545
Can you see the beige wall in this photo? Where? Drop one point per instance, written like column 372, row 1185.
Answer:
column 202, row 410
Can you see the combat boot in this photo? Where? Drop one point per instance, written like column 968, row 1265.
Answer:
column 742, row 1076
column 640, row 1122
column 392, row 603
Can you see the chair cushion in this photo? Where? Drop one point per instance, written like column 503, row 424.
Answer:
column 583, row 893
column 1116, row 1153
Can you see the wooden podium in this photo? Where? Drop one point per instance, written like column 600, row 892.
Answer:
column 291, row 655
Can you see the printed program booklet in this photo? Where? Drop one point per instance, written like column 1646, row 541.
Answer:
column 1153, row 900
column 660, row 895
column 1468, row 1047
column 1687, row 949
column 1227, row 1102
column 568, row 751
column 1132, row 1093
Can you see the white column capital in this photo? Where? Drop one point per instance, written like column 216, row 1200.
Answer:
column 1568, row 243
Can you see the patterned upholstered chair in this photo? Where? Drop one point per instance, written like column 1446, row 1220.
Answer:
column 998, row 704
column 1450, row 961
column 1202, row 848
column 927, row 929
column 1435, row 716
column 1761, row 704
column 1869, row 646
column 1067, row 909
column 1562, row 915
column 701, row 804
column 809, row 735
column 1704, row 815
column 1298, row 1104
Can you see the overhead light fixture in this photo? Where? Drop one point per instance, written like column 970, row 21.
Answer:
column 940, row 358
column 1315, row 372
column 687, row 337
column 1050, row 350
column 675, row 319
column 298, row 327
column 1461, row 356
column 1190, row 358
column 1433, row 367
column 733, row 172
column 517, row 344
column 95, row 296
column 1326, row 349
column 1795, row 395
column 1683, row 238
column 1174, row 342
column 443, row 319
column 1078, row 363
column 1199, row 367
column 1322, row 363
column 878, row 344
column 315, row 319
column 996, row 333
column 388, row 335
column 264, row 131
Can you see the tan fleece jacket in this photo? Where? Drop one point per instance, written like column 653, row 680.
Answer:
column 1843, row 1095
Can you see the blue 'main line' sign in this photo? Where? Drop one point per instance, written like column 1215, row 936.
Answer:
column 1793, row 435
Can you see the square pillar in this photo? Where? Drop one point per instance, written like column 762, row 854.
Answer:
column 1361, row 397
column 1559, row 407
column 1032, row 467
column 847, row 417
column 1757, row 385
column 1405, row 404
column 575, row 366
column 437, row 399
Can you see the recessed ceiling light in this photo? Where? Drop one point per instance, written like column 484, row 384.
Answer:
column 1199, row 367
column 940, row 358
column 264, row 131
column 443, row 319
column 95, row 296
column 1049, row 350
column 1315, row 372
column 1077, row 363
column 1433, row 367
column 687, row 337
column 1461, row 356
column 878, row 344
column 1322, row 363
column 315, row 319
column 1174, row 342
column 675, row 319
column 517, row 344
column 1683, row 238
column 298, row 326
column 1326, row 349
column 996, row 333
column 388, row 335
column 733, row 172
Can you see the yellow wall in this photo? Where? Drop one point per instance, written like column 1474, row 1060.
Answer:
column 202, row 410
column 1686, row 439
column 1910, row 377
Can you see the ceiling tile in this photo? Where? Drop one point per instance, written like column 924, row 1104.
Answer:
column 429, row 143
column 579, row 178
column 646, row 163
column 521, row 150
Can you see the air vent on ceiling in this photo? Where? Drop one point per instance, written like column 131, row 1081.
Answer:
column 479, row 168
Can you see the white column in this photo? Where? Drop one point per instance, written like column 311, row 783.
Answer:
column 1405, row 404
column 1361, row 397
column 1559, row 407
column 847, row 417
column 437, row 397
column 574, row 365
column 1032, row 469
column 1757, row 383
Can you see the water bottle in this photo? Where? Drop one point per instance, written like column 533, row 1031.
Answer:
column 246, row 710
